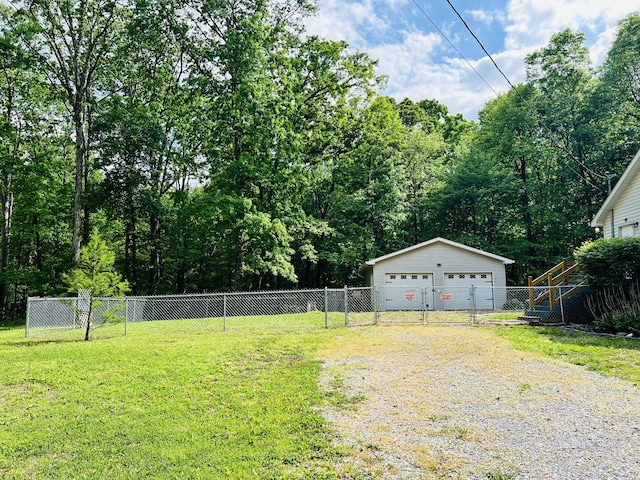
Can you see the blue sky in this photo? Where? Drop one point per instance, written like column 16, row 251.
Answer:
column 421, row 64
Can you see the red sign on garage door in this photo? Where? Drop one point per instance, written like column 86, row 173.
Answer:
column 446, row 296
column 409, row 296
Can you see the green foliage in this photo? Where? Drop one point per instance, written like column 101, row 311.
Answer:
column 95, row 274
column 609, row 262
column 95, row 271
column 617, row 308
column 611, row 267
column 251, row 155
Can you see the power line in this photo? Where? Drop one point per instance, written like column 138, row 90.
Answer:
column 481, row 45
column 454, row 47
column 526, row 103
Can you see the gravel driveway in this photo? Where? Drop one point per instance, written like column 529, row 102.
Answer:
column 451, row 402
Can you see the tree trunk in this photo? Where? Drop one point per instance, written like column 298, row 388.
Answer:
column 80, row 145
column 86, row 333
column 5, row 238
column 38, row 244
column 131, row 248
column 154, row 254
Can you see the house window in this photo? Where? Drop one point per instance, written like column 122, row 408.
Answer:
column 392, row 277
column 403, row 277
column 626, row 231
column 472, row 276
column 414, row 277
column 483, row 276
column 425, row 277
column 460, row 276
column 450, row 276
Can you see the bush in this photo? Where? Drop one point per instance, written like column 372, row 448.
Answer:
column 609, row 262
column 617, row 309
column 611, row 267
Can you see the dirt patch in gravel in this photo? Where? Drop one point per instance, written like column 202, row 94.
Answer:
column 455, row 402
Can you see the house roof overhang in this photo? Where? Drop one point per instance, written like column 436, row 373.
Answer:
column 617, row 191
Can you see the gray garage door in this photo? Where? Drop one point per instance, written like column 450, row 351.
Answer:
column 408, row 291
column 457, row 287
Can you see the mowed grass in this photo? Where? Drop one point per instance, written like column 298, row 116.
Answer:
column 203, row 405
column 248, row 324
column 615, row 357
column 214, row 405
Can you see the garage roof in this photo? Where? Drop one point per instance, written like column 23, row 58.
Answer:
column 506, row 261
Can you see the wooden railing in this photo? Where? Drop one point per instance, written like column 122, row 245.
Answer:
column 553, row 278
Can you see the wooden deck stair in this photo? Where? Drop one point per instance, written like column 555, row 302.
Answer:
column 562, row 284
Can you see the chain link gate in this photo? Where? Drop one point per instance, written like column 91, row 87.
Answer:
column 412, row 304
column 479, row 304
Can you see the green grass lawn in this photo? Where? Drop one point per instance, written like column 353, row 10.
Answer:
column 616, row 357
column 220, row 405
column 251, row 323
column 209, row 405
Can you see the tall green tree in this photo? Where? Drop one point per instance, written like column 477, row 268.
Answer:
column 270, row 93
column 562, row 73
column 147, row 143
column 617, row 99
column 34, row 166
column 72, row 40
column 369, row 210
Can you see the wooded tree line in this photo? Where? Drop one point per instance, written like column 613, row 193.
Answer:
column 216, row 146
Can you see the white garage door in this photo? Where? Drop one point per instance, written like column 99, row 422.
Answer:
column 457, row 287
column 408, row 291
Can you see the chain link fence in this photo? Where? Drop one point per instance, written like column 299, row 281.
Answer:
column 67, row 317
column 304, row 309
column 481, row 305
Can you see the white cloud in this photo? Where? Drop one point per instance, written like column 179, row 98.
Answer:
column 349, row 21
column 419, row 62
column 483, row 16
column 531, row 23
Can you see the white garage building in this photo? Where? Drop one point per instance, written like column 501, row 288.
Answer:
column 437, row 275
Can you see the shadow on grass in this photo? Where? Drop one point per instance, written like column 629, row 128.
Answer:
column 24, row 342
column 572, row 337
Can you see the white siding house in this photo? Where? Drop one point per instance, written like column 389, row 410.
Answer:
column 437, row 274
column 619, row 215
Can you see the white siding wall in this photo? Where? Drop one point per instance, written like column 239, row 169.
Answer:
column 626, row 210
column 451, row 259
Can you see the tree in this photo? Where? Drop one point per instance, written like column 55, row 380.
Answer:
column 72, row 40
column 617, row 99
column 369, row 207
column 35, row 172
column 95, row 274
column 270, row 95
column 562, row 73
column 146, row 144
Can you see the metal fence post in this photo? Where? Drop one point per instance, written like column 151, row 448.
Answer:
column 376, row 314
column 26, row 333
column 224, row 312
column 346, row 306
column 126, row 315
column 472, row 298
column 561, row 305
column 326, row 308
column 424, row 306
